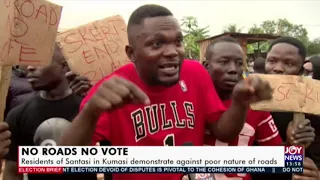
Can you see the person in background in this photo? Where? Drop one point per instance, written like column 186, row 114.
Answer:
column 20, row 89
column 312, row 69
column 250, row 65
column 225, row 65
column 159, row 80
column 312, row 65
column 54, row 100
column 286, row 56
column 258, row 66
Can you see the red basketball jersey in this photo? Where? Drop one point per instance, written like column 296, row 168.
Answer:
column 176, row 115
column 259, row 127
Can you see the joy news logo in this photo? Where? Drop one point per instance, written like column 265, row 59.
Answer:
column 293, row 153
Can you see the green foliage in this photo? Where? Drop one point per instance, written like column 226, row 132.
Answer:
column 282, row 27
column 232, row 28
column 192, row 34
column 313, row 47
column 256, row 30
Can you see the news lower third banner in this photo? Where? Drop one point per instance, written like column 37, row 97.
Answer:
column 160, row 159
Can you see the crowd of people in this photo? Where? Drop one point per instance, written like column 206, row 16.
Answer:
column 189, row 104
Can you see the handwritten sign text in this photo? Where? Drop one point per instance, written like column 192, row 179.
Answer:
column 96, row 49
column 28, row 29
column 291, row 94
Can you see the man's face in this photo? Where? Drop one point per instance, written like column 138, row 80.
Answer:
column 158, row 50
column 48, row 77
column 284, row 58
column 226, row 65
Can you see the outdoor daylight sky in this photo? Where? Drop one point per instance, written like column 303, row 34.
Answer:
column 215, row 13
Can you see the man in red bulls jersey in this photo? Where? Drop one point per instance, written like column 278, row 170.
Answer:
column 225, row 65
column 159, row 99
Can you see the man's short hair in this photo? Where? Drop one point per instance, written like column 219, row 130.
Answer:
column 219, row 40
column 147, row 11
column 292, row 41
column 143, row 12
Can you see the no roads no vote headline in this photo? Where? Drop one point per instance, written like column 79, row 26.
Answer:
column 157, row 156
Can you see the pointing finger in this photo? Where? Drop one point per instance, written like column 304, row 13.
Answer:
column 135, row 90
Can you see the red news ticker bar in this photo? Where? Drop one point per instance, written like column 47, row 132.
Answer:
column 40, row 170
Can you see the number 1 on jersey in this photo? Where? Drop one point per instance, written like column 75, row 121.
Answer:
column 169, row 140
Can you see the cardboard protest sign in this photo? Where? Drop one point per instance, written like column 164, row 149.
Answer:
column 96, row 49
column 28, row 31
column 291, row 94
column 5, row 77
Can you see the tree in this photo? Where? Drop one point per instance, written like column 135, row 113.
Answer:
column 232, row 28
column 255, row 29
column 313, row 47
column 280, row 27
column 189, row 22
column 193, row 33
column 263, row 46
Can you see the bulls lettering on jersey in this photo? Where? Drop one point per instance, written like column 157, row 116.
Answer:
column 177, row 114
column 156, row 113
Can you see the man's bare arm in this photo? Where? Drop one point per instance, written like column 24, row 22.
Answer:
column 11, row 171
column 251, row 90
column 226, row 128
column 81, row 130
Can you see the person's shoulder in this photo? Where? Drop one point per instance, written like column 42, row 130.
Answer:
column 125, row 69
column 192, row 68
column 194, row 73
column 192, row 65
column 18, row 111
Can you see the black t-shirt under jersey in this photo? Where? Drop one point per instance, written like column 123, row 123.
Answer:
column 25, row 119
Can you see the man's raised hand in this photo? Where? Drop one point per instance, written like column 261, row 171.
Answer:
column 251, row 90
column 115, row 92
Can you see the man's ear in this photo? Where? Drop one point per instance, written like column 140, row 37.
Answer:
column 129, row 52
